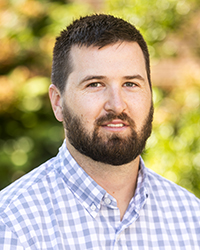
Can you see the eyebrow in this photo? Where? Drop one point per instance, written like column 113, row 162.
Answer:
column 131, row 77
column 88, row 78
column 139, row 77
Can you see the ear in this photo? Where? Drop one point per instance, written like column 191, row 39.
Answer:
column 56, row 102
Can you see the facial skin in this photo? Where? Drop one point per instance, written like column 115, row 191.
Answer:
column 107, row 107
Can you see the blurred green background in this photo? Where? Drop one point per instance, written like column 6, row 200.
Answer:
column 29, row 133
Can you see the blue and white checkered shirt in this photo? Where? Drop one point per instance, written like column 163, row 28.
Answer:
column 58, row 206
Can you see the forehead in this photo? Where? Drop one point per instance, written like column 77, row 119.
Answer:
column 120, row 55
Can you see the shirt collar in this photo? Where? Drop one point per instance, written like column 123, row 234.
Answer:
column 79, row 182
column 89, row 193
column 141, row 192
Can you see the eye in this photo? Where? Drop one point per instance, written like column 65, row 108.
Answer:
column 95, row 85
column 130, row 84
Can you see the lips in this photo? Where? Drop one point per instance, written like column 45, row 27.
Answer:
column 115, row 124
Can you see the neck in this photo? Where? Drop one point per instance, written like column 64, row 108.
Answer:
column 118, row 181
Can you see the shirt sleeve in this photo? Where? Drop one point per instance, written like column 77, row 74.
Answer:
column 9, row 240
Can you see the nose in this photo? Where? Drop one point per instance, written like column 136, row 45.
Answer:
column 115, row 101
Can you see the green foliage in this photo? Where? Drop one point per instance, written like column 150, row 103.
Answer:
column 156, row 19
column 173, row 150
column 29, row 133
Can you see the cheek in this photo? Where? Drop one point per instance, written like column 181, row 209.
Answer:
column 87, row 112
column 140, row 109
column 87, row 107
column 88, row 115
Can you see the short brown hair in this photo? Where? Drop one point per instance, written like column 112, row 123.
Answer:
column 95, row 30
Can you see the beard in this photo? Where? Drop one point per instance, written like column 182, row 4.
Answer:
column 109, row 149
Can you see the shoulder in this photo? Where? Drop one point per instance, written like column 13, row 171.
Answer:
column 168, row 192
column 25, row 184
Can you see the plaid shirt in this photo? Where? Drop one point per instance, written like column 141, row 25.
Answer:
column 58, row 206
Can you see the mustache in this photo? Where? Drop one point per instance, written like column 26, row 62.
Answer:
column 112, row 116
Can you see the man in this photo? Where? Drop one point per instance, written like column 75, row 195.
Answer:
column 97, row 193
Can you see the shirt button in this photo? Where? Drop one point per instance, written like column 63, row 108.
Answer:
column 107, row 201
column 93, row 207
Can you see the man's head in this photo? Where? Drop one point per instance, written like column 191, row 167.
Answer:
column 103, row 93
column 98, row 31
